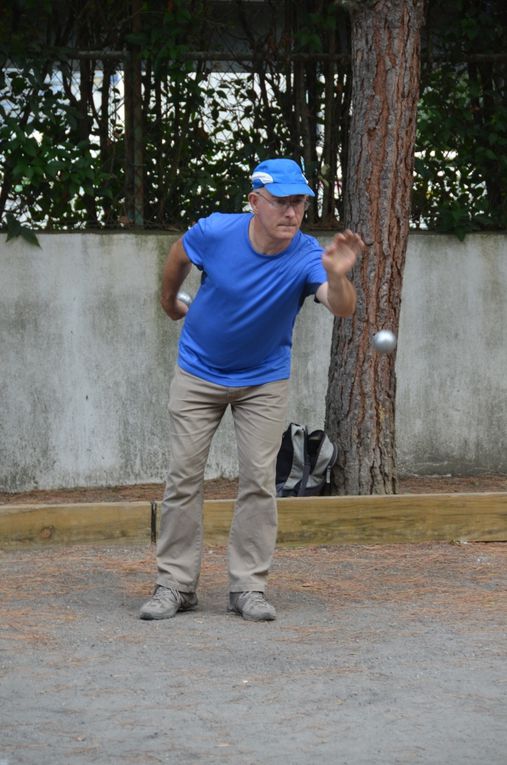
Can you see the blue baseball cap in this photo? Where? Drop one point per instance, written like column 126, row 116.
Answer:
column 281, row 177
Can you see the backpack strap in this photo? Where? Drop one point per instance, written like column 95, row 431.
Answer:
column 306, row 465
column 298, row 436
column 323, row 454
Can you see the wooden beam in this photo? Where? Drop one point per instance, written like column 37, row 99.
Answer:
column 302, row 521
column 86, row 522
column 394, row 518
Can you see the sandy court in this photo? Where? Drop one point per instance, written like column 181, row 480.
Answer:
column 380, row 655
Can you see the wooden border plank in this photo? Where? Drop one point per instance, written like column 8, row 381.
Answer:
column 395, row 518
column 306, row 520
column 86, row 522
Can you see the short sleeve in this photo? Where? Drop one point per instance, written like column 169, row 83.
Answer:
column 195, row 242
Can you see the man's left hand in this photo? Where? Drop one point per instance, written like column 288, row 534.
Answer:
column 340, row 256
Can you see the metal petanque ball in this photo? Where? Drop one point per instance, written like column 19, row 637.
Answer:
column 384, row 341
column 184, row 297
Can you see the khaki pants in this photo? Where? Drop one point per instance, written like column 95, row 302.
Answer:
column 196, row 408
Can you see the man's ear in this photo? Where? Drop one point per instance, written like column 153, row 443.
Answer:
column 253, row 200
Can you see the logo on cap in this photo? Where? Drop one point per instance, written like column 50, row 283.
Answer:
column 262, row 178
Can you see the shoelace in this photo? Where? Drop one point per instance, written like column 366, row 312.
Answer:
column 256, row 598
column 162, row 593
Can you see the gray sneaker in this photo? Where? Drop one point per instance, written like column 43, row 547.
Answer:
column 166, row 602
column 252, row 606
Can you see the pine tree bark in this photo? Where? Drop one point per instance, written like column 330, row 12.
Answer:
column 360, row 402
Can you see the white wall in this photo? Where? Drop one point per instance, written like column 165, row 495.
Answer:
column 87, row 355
column 452, row 360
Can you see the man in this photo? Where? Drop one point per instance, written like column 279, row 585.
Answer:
column 235, row 350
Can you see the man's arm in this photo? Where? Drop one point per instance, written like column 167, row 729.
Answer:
column 338, row 294
column 176, row 269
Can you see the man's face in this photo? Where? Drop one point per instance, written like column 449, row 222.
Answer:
column 279, row 217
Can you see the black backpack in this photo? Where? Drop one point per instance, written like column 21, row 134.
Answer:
column 304, row 462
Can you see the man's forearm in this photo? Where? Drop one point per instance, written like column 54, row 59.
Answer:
column 170, row 286
column 176, row 270
column 341, row 296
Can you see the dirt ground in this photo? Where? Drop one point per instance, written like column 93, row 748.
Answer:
column 222, row 488
column 380, row 655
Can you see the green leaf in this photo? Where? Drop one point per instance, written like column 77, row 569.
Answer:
column 29, row 236
column 16, row 229
column 13, row 227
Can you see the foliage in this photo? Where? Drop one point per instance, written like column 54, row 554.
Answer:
column 66, row 157
column 49, row 173
column 460, row 181
column 52, row 171
column 14, row 229
column 203, row 128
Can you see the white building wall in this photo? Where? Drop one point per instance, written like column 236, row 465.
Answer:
column 86, row 357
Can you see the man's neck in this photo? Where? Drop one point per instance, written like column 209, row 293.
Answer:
column 263, row 243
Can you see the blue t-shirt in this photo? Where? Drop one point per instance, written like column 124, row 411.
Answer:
column 238, row 330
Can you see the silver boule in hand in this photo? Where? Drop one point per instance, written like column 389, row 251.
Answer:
column 184, row 297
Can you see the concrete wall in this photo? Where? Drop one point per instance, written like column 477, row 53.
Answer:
column 87, row 355
column 452, row 360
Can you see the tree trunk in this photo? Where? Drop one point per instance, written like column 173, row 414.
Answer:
column 360, row 402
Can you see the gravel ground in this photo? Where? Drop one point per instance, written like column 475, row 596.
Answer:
column 380, row 655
